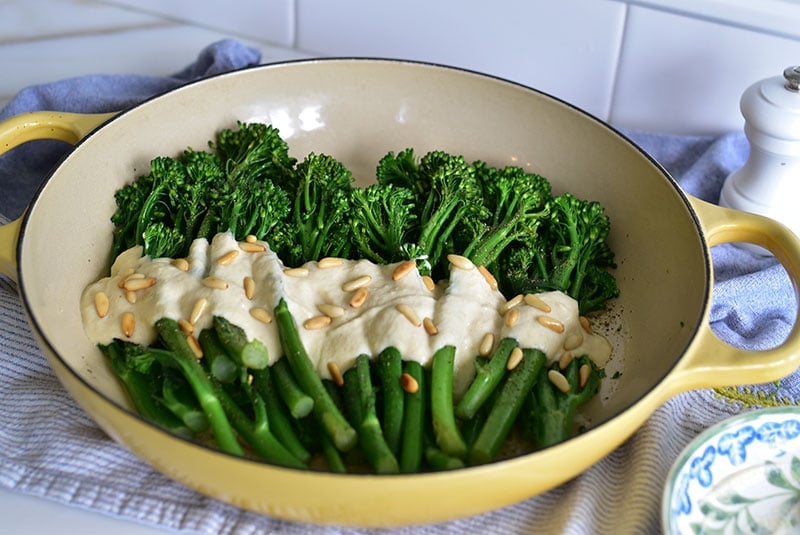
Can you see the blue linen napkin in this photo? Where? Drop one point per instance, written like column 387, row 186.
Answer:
column 50, row 448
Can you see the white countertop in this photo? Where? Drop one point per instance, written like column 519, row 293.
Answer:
column 50, row 40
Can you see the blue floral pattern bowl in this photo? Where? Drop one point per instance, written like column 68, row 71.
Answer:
column 739, row 476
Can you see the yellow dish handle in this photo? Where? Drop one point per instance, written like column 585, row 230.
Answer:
column 710, row 362
column 63, row 126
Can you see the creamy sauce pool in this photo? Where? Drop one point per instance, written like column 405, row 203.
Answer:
column 343, row 308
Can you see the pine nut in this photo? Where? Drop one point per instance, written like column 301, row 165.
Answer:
column 296, row 272
column 336, row 373
column 134, row 285
column 409, row 313
column 584, row 321
column 565, row 359
column 359, row 297
column 195, row 346
column 197, row 310
column 128, row 323
column 125, row 276
column 551, row 323
column 559, row 381
column 514, row 358
column 329, row 262
column 355, row 284
column 181, row 263
column 249, row 287
column 334, row 311
column 408, row 383
column 252, row 247
column 490, row 280
column 186, row 326
column 261, row 314
column 428, row 282
column 130, row 296
column 537, row 302
column 215, row 283
column 403, row 269
column 461, row 262
column 512, row 316
column 511, row 303
column 583, row 374
column 429, row 326
column 487, row 344
column 251, row 238
column 317, row 322
column 227, row 258
column 101, row 304
column 573, row 341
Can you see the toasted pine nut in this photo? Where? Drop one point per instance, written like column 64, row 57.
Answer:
column 409, row 313
column 249, row 287
column 355, row 284
column 227, row 258
column 565, row 359
column 403, row 269
column 195, row 346
column 125, row 276
column 512, row 316
column 181, row 263
column 359, row 297
column 317, row 322
column 551, row 323
column 334, row 311
column 329, row 262
column 251, row 238
column 461, row 262
column 584, row 321
column 252, row 247
column 296, row 272
column 558, row 380
column 490, row 280
column 573, row 341
column 215, row 283
column 336, row 373
column 408, row 383
column 101, row 304
column 136, row 284
column 186, row 326
column 197, row 310
column 511, row 303
column 537, row 302
column 128, row 323
column 583, row 375
column 514, row 358
column 428, row 282
column 429, row 326
column 261, row 314
column 487, row 344
column 130, row 296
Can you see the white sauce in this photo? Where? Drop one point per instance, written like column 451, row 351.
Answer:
column 463, row 308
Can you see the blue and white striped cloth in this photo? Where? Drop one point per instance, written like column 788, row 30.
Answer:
column 50, row 448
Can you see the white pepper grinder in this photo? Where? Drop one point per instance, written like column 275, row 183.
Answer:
column 769, row 182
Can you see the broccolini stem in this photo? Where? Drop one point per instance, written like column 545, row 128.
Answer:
column 390, row 368
column 414, row 413
column 248, row 353
column 487, row 377
column 299, row 403
column 506, row 407
column 370, row 434
column 221, row 366
column 448, row 436
column 279, row 421
column 181, row 356
column 184, row 406
column 439, row 460
column 329, row 415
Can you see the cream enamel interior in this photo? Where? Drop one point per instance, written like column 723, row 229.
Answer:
column 357, row 110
